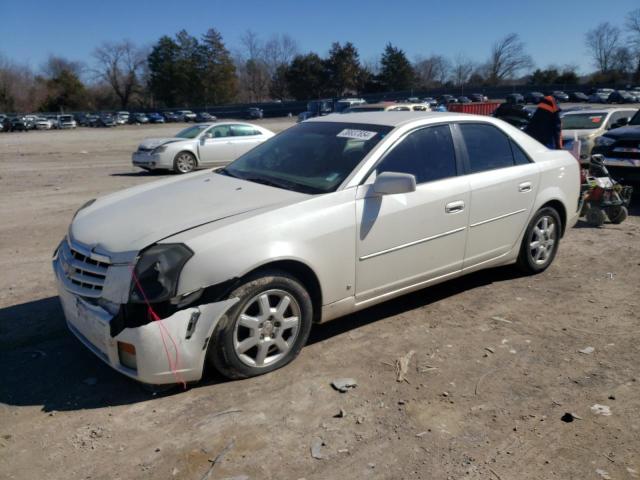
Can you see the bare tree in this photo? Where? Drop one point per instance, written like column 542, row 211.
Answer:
column 279, row 50
column 432, row 70
column 120, row 65
column 508, row 57
column 603, row 42
column 633, row 26
column 461, row 70
column 20, row 90
column 252, row 70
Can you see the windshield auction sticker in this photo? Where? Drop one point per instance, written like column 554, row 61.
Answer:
column 357, row 134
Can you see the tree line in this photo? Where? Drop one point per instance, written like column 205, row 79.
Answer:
column 189, row 71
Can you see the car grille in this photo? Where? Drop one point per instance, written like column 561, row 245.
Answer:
column 632, row 147
column 85, row 274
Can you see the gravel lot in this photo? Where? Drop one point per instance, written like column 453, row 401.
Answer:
column 497, row 362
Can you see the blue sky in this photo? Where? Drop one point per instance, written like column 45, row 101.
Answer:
column 552, row 30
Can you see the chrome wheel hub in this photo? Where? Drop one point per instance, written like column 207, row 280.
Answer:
column 266, row 328
column 543, row 240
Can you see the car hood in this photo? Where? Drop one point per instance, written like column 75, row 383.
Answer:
column 132, row 219
column 151, row 143
column 625, row 133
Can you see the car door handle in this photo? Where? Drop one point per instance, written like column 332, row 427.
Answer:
column 454, row 207
column 525, row 187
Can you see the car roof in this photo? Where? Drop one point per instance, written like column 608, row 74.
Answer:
column 600, row 111
column 393, row 119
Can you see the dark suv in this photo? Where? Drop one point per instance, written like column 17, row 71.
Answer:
column 621, row 150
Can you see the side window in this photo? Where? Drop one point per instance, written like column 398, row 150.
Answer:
column 487, row 147
column 244, row 130
column 519, row 157
column 427, row 153
column 220, row 131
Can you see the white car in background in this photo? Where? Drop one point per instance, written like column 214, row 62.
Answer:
column 232, row 267
column 587, row 125
column 43, row 123
column 201, row 145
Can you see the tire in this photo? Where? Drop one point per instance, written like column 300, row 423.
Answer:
column 595, row 216
column 540, row 242
column 617, row 214
column 249, row 340
column 184, row 162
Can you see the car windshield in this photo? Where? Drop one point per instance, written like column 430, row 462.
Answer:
column 583, row 121
column 191, row 132
column 313, row 157
column 636, row 119
column 66, row 118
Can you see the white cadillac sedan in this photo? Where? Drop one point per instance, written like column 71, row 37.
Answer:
column 199, row 146
column 330, row 216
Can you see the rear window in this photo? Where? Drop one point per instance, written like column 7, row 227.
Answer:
column 583, row 121
column 487, row 147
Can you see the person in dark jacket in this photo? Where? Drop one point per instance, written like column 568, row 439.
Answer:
column 545, row 125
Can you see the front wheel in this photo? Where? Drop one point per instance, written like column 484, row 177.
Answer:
column 540, row 242
column 266, row 329
column 184, row 162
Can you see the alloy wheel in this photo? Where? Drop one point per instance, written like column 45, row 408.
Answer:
column 266, row 328
column 543, row 240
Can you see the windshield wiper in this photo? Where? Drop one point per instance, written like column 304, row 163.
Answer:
column 272, row 183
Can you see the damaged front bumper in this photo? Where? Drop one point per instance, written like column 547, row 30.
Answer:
column 141, row 352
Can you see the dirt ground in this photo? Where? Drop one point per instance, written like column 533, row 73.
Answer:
column 497, row 362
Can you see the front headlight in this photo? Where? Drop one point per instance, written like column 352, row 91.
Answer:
column 604, row 141
column 157, row 272
column 159, row 149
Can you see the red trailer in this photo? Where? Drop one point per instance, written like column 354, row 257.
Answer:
column 481, row 108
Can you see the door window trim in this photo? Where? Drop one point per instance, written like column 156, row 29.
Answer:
column 457, row 153
column 459, row 139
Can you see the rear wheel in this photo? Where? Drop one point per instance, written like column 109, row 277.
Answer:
column 540, row 242
column 617, row 214
column 266, row 329
column 184, row 162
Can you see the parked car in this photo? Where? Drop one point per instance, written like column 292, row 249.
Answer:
column 170, row 117
column 578, row 97
column 621, row 150
column 105, row 120
column 533, row 97
column 600, row 95
column 345, row 103
column 138, row 118
column 389, row 107
column 43, row 123
column 317, row 108
column 2, row 118
column 186, row 116
column 476, row 97
column 621, row 96
column 432, row 102
column 331, row 216
column 587, row 125
column 463, row 99
column 66, row 121
column 560, row 96
column 203, row 117
column 18, row 124
column 446, row 99
column 514, row 98
column 516, row 114
column 199, row 145
column 253, row 113
column 155, row 118
column 121, row 118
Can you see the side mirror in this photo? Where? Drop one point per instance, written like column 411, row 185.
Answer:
column 207, row 135
column 390, row 183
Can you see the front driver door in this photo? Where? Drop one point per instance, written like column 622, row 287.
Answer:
column 408, row 239
column 216, row 146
